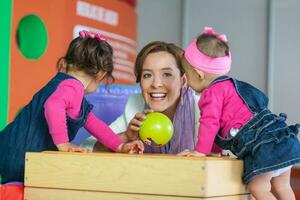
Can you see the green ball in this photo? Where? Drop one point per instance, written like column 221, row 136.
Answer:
column 157, row 128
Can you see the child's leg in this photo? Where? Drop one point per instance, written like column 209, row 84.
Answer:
column 260, row 187
column 281, row 187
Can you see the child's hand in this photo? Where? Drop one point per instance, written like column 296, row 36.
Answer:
column 136, row 146
column 134, row 125
column 69, row 147
column 215, row 154
column 191, row 153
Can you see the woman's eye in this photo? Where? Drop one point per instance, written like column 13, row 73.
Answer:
column 167, row 74
column 146, row 75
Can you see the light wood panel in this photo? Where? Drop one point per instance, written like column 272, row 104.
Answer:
column 57, row 194
column 143, row 174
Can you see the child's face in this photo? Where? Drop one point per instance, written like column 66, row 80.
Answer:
column 194, row 79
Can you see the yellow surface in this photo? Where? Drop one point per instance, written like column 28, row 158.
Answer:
column 57, row 194
column 137, row 174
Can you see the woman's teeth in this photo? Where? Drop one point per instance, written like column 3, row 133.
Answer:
column 158, row 95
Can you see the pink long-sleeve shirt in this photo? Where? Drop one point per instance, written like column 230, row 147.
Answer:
column 221, row 109
column 66, row 100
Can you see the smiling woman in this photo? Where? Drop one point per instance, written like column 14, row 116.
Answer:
column 159, row 72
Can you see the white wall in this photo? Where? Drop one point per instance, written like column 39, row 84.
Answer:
column 286, row 51
column 264, row 37
column 159, row 20
column 244, row 23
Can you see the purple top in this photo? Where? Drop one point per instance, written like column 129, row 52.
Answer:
column 183, row 121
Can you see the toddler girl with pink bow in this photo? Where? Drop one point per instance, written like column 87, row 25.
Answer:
column 56, row 112
column 235, row 116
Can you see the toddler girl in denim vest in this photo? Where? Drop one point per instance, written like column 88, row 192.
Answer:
column 56, row 112
column 235, row 116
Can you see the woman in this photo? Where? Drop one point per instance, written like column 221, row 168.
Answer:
column 160, row 74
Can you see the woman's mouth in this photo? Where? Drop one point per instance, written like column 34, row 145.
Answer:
column 158, row 95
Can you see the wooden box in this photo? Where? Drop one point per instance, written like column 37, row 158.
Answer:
column 112, row 176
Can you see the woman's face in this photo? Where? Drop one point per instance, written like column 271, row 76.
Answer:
column 161, row 82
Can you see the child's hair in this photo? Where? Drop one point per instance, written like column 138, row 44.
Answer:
column 89, row 55
column 154, row 47
column 209, row 53
column 212, row 46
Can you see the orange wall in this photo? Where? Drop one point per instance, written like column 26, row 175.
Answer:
column 62, row 23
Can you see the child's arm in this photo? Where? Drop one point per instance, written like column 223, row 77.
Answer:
column 102, row 132
column 188, row 153
column 71, row 148
column 211, row 106
column 56, row 117
column 194, row 153
column 107, row 137
column 136, row 146
column 68, row 93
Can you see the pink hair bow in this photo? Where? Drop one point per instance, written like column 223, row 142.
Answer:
column 210, row 31
column 87, row 34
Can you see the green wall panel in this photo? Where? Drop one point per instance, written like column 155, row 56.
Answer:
column 5, row 38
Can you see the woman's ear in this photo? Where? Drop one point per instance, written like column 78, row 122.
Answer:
column 184, row 81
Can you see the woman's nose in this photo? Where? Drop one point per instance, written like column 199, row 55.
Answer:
column 157, row 82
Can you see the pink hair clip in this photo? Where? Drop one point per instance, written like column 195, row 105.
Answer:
column 100, row 37
column 210, row 31
column 87, row 34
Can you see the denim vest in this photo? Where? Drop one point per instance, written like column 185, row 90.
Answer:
column 29, row 131
column 266, row 142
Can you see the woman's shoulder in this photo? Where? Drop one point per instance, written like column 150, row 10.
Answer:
column 196, row 97
column 135, row 102
column 136, row 98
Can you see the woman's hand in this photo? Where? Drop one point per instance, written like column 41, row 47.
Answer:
column 135, row 124
column 136, row 146
column 191, row 153
column 69, row 147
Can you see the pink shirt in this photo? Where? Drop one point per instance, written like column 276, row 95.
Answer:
column 66, row 100
column 221, row 109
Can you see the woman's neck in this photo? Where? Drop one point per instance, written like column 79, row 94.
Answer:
column 170, row 112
